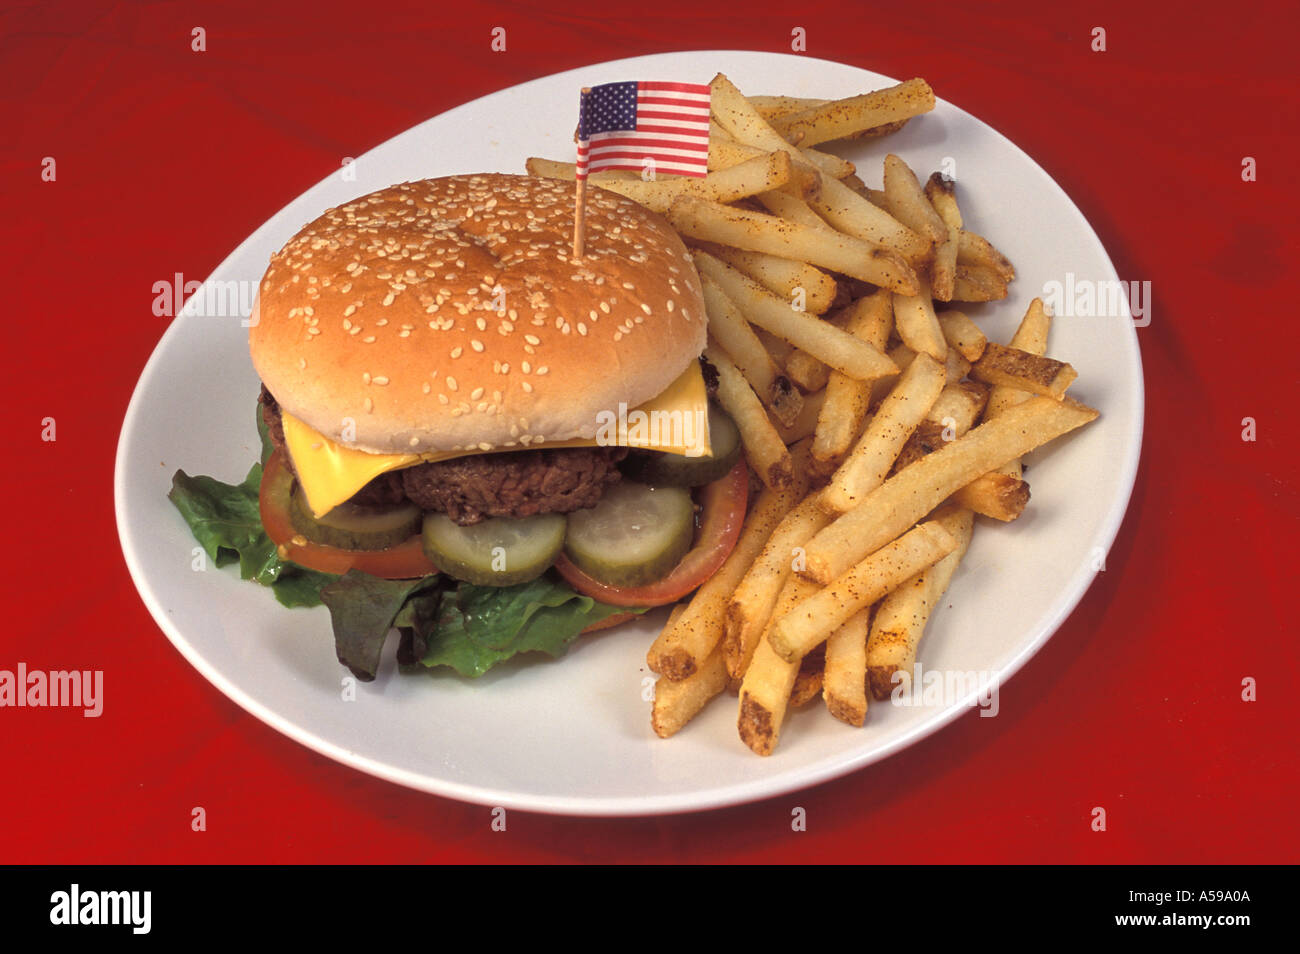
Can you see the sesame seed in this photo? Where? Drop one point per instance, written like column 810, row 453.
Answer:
column 381, row 380
column 476, row 394
column 451, row 383
column 365, row 377
column 476, row 344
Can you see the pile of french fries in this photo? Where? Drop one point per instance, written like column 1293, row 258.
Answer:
column 880, row 420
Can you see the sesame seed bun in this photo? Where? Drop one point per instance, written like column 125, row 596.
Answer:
column 448, row 315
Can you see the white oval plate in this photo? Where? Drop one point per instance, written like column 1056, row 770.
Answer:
column 572, row 736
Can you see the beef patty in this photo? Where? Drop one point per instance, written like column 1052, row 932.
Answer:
column 469, row 489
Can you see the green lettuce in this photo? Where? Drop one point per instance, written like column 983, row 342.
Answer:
column 443, row 622
column 225, row 520
column 475, row 627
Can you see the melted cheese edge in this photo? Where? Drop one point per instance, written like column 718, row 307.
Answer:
column 675, row 422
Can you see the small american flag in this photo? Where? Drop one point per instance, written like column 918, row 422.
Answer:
column 622, row 124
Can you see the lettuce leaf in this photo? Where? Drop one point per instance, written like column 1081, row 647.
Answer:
column 363, row 609
column 476, row 627
column 225, row 520
column 442, row 622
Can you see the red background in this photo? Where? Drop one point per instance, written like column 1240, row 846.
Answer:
column 168, row 158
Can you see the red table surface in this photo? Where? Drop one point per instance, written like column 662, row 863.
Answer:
column 168, row 158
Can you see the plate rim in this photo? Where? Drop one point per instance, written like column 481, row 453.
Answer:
column 743, row 791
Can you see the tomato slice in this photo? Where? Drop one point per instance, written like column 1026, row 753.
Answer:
column 723, row 513
column 404, row 562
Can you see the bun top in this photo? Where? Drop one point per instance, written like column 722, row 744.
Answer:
column 449, row 314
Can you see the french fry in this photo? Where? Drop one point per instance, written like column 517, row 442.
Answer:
column 824, row 341
column 764, row 449
column 809, row 680
column 854, row 215
column 792, row 208
column 1003, row 494
column 755, row 597
column 963, row 334
column 676, row 702
column 793, row 281
column 806, row 425
column 554, row 169
column 957, row 366
column 913, row 492
column 760, row 232
column 917, row 324
column 941, row 192
column 760, row 174
column 769, row 680
column 907, row 201
column 871, row 458
column 828, row 164
column 999, row 495
column 725, row 153
column 778, row 349
column 691, row 636
column 1030, row 337
column 953, row 413
column 842, row 118
column 975, row 249
column 806, row 371
column 1027, row 372
column 902, row 615
column 730, row 329
column 835, row 202
column 977, row 283
column 769, row 107
column 847, row 399
column 943, row 271
column 812, row 620
column 845, row 672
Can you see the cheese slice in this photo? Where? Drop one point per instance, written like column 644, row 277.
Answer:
column 676, row 422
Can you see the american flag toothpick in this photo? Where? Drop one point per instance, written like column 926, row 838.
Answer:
column 622, row 125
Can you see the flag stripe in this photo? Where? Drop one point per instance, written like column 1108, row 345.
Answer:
column 689, row 122
column 695, row 104
column 649, row 142
column 702, row 89
column 663, row 170
column 623, row 124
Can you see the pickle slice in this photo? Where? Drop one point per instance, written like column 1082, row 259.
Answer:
column 499, row 551
column 634, row 536
column 353, row 526
column 673, row 470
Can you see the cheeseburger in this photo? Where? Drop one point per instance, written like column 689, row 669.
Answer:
column 449, row 391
